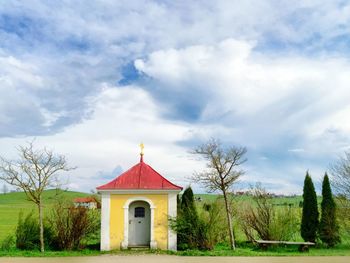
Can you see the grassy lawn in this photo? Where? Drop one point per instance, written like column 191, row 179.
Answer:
column 220, row 250
column 253, row 251
column 36, row 253
column 12, row 203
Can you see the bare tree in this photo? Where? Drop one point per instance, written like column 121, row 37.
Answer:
column 33, row 172
column 341, row 176
column 340, row 180
column 221, row 173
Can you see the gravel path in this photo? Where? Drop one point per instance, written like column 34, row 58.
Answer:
column 177, row 259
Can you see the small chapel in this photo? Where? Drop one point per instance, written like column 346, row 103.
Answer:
column 135, row 209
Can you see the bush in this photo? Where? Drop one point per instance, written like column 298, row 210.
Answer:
column 28, row 233
column 212, row 224
column 264, row 221
column 71, row 225
column 7, row 243
column 343, row 215
column 198, row 230
column 186, row 224
column 285, row 225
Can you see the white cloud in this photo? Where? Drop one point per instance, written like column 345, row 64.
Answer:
column 270, row 104
column 296, row 150
column 304, row 96
column 17, row 73
column 263, row 100
column 73, row 47
column 263, row 74
column 122, row 119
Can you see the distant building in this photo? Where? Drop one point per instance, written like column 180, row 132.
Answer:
column 87, row 202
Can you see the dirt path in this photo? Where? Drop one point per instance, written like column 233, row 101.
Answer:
column 177, row 259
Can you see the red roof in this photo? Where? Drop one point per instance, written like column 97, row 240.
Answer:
column 141, row 176
column 84, row 200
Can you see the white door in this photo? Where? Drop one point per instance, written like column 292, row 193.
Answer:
column 139, row 224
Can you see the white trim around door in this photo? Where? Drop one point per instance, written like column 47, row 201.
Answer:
column 125, row 242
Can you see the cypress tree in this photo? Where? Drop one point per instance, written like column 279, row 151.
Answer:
column 188, row 221
column 178, row 203
column 329, row 230
column 309, row 220
column 187, row 200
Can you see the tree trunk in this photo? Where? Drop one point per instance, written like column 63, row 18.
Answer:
column 229, row 222
column 42, row 249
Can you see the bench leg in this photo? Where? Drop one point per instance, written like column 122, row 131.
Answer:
column 263, row 246
column 303, row 248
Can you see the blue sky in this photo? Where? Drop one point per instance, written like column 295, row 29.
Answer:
column 94, row 79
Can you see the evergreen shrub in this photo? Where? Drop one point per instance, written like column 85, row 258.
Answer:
column 328, row 230
column 197, row 230
column 28, row 231
column 309, row 219
column 7, row 243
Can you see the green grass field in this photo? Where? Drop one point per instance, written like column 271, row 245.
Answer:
column 11, row 204
column 291, row 202
column 220, row 250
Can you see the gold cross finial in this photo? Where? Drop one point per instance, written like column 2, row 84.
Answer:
column 142, row 147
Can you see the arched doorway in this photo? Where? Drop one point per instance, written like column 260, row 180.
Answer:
column 139, row 224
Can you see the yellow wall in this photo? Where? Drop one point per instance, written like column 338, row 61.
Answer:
column 160, row 201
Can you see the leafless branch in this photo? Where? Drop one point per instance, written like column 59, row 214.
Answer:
column 222, row 171
column 222, row 162
column 340, row 172
column 33, row 172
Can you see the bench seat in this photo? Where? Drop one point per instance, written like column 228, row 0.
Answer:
column 303, row 246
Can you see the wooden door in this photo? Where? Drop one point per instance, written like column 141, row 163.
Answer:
column 139, row 224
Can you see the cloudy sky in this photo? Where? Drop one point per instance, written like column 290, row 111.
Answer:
column 93, row 79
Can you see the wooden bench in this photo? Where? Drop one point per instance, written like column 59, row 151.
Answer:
column 303, row 246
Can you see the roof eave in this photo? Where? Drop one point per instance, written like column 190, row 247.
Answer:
column 138, row 191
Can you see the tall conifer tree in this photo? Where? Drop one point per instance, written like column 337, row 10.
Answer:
column 329, row 230
column 187, row 200
column 187, row 231
column 309, row 220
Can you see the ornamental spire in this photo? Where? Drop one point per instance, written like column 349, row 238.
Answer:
column 141, row 153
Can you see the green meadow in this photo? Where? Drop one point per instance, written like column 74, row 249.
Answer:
column 240, row 200
column 11, row 204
